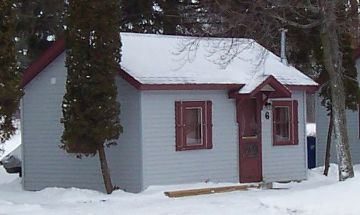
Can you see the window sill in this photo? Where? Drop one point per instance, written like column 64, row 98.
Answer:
column 187, row 148
column 285, row 144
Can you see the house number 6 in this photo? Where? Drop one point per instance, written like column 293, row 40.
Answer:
column 267, row 115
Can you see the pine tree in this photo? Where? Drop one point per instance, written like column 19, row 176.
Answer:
column 10, row 92
column 90, row 109
column 141, row 16
column 172, row 17
column 39, row 22
column 181, row 17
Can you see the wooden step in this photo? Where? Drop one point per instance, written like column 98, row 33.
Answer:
column 211, row 190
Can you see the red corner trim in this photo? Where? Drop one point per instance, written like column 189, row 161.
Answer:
column 43, row 61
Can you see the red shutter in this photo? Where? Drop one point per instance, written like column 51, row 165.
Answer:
column 178, row 126
column 295, row 122
column 208, row 125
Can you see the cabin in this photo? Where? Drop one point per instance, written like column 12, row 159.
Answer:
column 353, row 128
column 187, row 118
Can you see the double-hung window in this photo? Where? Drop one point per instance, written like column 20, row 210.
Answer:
column 193, row 125
column 285, row 122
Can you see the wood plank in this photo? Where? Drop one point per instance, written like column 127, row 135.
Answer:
column 211, row 190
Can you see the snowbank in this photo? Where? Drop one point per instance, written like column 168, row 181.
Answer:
column 326, row 196
column 318, row 195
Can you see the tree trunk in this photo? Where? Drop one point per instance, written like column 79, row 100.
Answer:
column 333, row 64
column 105, row 170
column 328, row 146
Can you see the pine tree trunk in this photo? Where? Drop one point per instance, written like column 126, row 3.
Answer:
column 105, row 170
column 333, row 64
column 328, row 146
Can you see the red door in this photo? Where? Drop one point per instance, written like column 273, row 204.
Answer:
column 249, row 119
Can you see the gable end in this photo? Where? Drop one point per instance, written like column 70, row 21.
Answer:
column 43, row 61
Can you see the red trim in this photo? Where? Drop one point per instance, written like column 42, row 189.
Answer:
column 295, row 122
column 180, row 126
column 43, row 61
column 293, row 114
column 256, row 162
column 59, row 46
column 356, row 53
column 209, row 124
column 131, row 80
column 189, row 86
column 139, row 86
column 280, row 89
column 307, row 88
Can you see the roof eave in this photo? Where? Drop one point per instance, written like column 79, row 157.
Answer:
column 306, row 88
column 42, row 62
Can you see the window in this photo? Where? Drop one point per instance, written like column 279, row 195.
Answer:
column 285, row 122
column 193, row 125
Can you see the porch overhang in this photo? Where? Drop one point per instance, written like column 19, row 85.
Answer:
column 269, row 86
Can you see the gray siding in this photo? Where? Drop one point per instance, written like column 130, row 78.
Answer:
column 163, row 165
column 322, row 123
column 145, row 154
column 45, row 164
column 284, row 163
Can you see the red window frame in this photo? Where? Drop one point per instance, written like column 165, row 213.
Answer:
column 293, row 122
column 180, row 125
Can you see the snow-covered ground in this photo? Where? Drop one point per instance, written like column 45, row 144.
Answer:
column 319, row 195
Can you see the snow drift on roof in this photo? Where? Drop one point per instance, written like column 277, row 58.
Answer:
column 163, row 59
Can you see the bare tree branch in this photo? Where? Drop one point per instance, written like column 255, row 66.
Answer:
column 313, row 24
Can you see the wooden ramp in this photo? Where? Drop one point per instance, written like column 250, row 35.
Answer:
column 211, row 190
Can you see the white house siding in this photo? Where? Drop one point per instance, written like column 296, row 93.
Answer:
column 322, row 124
column 126, row 160
column 285, row 163
column 46, row 165
column 163, row 165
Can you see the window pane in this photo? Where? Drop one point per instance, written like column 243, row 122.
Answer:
column 193, row 126
column 248, row 119
column 282, row 124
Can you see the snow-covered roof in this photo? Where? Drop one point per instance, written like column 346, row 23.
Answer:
column 164, row 59
column 152, row 61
